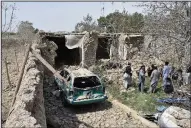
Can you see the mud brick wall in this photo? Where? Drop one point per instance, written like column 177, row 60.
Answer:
column 28, row 109
column 122, row 47
column 128, row 46
column 90, row 48
column 114, row 54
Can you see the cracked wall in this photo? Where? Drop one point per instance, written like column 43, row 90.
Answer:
column 129, row 45
column 121, row 46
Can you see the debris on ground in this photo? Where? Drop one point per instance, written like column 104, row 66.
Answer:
column 153, row 117
column 175, row 117
column 56, row 93
column 176, row 101
column 161, row 108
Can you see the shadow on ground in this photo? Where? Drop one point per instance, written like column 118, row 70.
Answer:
column 81, row 109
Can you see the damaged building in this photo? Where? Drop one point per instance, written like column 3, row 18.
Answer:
column 129, row 45
column 85, row 48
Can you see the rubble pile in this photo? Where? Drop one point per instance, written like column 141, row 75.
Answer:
column 184, row 92
column 175, row 117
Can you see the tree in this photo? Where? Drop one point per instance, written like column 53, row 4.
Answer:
column 121, row 22
column 86, row 25
column 8, row 17
column 26, row 31
column 36, row 30
column 168, row 23
column 136, row 22
column 25, row 27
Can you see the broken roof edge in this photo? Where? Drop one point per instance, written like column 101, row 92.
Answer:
column 54, row 34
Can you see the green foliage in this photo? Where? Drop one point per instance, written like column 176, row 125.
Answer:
column 122, row 22
column 36, row 30
column 113, row 22
column 86, row 25
column 25, row 27
column 26, row 32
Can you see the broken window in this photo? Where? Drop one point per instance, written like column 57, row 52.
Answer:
column 84, row 82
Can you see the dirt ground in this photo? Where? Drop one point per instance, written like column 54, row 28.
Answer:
column 8, row 91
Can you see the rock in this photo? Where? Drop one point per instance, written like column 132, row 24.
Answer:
column 56, row 93
column 10, row 94
column 175, row 116
column 82, row 126
column 106, row 125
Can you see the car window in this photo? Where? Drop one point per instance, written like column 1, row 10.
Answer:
column 84, row 82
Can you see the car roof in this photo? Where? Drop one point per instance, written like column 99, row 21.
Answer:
column 82, row 72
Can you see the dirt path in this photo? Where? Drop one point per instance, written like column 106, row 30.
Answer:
column 94, row 115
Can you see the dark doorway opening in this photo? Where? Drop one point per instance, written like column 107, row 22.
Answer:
column 65, row 56
column 103, row 49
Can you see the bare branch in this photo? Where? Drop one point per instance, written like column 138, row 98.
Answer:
column 8, row 22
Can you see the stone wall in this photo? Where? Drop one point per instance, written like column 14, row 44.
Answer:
column 28, row 109
column 114, row 54
column 122, row 47
column 90, row 48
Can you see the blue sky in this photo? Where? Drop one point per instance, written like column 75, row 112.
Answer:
column 63, row 16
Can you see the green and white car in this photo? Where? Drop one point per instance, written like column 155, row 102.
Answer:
column 82, row 87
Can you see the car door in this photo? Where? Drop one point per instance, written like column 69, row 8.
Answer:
column 64, row 74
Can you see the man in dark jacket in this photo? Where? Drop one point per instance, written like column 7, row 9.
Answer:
column 141, row 78
column 127, row 77
column 150, row 70
column 128, row 69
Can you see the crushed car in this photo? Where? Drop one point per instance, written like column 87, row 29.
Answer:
column 81, row 87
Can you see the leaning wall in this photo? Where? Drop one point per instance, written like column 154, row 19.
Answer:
column 28, row 109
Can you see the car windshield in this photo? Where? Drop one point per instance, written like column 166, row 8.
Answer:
column 84, row 82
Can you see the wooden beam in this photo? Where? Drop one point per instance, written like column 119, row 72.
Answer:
column 45, row 63
column 99, row 35
column 7, row 71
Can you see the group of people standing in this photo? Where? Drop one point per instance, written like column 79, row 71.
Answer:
column 154, row 73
